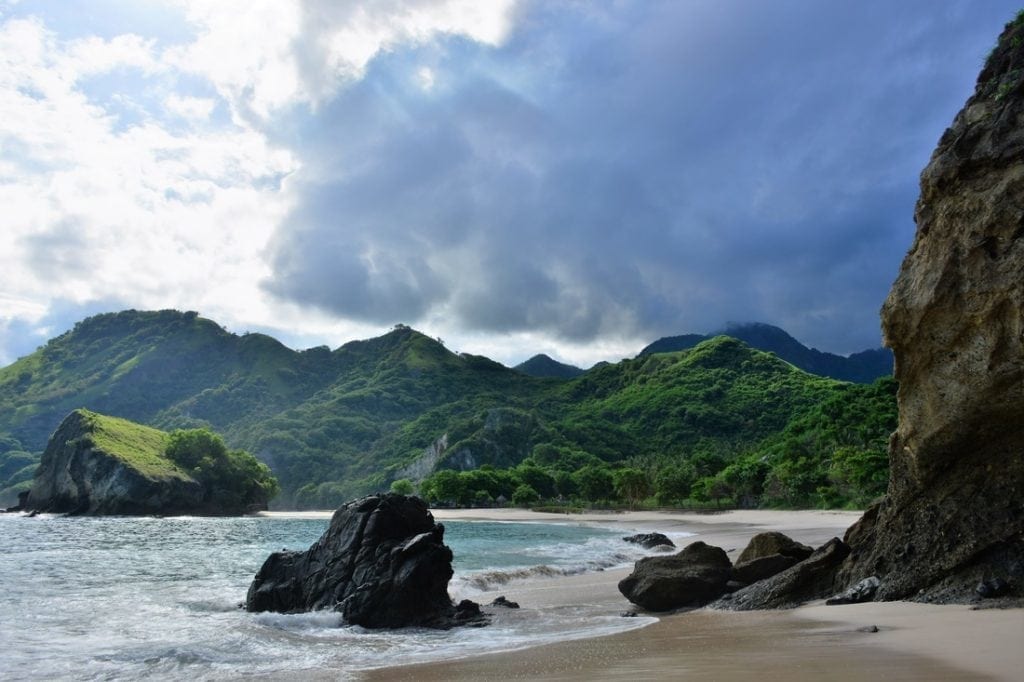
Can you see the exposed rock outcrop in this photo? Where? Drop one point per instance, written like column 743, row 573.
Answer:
column 78, row 474
column 954, row 512
column 382, row 563
column 809, row 579
column 691, row 578
column 863, row 591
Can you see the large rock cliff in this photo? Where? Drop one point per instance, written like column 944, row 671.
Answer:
column 79, row 473
column 95, row 464
column 954, row 513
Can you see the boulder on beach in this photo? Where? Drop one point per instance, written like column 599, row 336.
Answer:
column 382, row 563
column 691, row 578
column 767, row 554
column 806, row 580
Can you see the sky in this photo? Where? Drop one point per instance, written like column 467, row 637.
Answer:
column 513, row 176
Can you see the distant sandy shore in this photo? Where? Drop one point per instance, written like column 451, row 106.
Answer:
column 815, row 642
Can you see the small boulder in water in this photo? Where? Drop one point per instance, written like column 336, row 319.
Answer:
column 650, row 540
column 502, row 601
column 382, row 563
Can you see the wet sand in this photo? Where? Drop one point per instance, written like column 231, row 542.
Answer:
column 815, row 642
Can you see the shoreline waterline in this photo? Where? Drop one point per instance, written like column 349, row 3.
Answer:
column 813, row 642
column 159, row 597
column 914, row 642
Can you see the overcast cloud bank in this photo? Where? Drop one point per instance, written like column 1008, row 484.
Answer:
column 517, row 177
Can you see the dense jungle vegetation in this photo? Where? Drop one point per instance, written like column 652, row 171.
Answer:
column 720, row 423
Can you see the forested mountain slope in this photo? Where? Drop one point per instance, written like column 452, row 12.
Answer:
column 334, row 424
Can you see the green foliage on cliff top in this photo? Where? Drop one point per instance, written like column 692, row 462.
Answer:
column 720, row 424
column 140, row 447
column 231, row 479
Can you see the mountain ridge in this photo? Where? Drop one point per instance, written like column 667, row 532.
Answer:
column 333, row 424
column 862, row 367
column 544, row 366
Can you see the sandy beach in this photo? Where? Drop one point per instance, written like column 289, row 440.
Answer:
column 913, row 641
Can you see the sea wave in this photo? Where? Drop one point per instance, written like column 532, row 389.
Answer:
column 301, row 622
column 556, row 560
column 484, row 581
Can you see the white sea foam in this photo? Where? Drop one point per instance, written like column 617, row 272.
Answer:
column 130, row 598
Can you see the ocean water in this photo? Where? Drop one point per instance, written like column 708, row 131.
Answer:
column 158, row 598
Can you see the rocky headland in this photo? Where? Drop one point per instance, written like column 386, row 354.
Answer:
column 100, row 465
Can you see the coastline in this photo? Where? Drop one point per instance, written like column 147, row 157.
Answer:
column 913, row 642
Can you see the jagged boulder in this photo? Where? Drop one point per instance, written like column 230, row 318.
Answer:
column 382, row 563
column 767, row 554
column 954, row 512
column 650, row 540
column 691, row 578
column 801, row 582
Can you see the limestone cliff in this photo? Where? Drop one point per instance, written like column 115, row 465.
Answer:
column 954, row 513
column 101, row 465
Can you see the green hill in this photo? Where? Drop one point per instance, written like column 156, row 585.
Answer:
column 547, row 367
column 726, row 421
column 863, row 367
column 334, row 424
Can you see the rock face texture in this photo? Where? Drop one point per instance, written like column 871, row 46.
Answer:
column 691, row 578
column 954, row 513
column 77, row 476
column 809, row 579
column 767, row 554
column 382, row 563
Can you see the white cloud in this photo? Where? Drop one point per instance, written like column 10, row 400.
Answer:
column 108, row 197
column 196, row 108
column 425, row 77
column 94, row 55
column 267, row 56
column 142, row 214
column 246, row 49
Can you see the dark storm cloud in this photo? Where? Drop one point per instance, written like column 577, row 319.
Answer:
column 646, row 169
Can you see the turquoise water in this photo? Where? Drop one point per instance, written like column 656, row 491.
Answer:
column 140, row 597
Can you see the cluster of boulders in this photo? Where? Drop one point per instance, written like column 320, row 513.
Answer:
column 773, row 571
